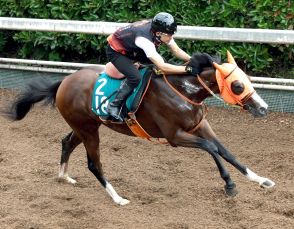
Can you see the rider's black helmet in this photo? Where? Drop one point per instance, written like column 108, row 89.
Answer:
column 164, row 22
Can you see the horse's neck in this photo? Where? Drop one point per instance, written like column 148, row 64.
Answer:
column 190, row 87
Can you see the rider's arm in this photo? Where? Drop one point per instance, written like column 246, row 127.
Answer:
column 177, row 51
column 153, row 55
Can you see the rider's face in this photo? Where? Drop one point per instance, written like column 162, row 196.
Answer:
column 164, row 37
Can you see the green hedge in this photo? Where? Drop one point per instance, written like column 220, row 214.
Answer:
column 262, row 59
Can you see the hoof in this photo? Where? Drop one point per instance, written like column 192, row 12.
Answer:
column 67, row 179
column 267, row 183
column 123, row 202
column 231, row 190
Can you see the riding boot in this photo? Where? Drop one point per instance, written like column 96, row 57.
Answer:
column 114, row 107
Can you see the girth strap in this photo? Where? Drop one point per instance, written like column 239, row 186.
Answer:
column 138, row 130
column 202, row 118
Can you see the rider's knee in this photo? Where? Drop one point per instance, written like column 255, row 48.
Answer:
column 134, row 80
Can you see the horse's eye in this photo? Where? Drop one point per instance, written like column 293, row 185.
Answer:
column 237, row 87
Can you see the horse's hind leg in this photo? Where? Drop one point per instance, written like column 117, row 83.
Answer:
column 91, row 141
column 69, row 143
column 109, row 188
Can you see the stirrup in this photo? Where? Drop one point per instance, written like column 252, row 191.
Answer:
column 117, row 118
column 120, row 119
column 117, row 115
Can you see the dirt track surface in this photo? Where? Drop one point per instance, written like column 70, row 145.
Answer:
column 168, row 187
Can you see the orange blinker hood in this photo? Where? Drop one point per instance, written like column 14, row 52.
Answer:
column 228, row 73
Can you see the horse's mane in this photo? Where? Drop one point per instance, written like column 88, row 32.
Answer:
column 203, row 60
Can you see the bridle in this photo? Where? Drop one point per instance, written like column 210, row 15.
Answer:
column 228, row 97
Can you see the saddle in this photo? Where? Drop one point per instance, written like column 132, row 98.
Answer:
column 106, row 87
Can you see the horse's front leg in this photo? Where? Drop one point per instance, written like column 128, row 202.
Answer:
column 262, row 181
column 206, row 132
column 230, row 187
column 185, row 139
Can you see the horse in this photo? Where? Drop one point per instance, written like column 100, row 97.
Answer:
column 172, row 109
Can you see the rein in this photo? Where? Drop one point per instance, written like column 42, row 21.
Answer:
column 179, row 93
column 208, row 89
column 202, row 104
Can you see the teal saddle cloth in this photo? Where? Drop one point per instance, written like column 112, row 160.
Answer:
column 105, row 91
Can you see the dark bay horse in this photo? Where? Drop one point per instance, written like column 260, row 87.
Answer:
column 172, row 109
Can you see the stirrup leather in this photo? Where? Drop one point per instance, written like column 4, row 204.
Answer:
column 138, row 130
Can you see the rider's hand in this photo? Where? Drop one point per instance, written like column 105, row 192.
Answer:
column 194, row 70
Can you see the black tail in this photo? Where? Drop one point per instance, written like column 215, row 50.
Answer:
column 36, row 91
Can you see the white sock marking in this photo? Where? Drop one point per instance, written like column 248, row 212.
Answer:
column 116, row 198
column 62, row 170
column 63, row 175
column 260, row 180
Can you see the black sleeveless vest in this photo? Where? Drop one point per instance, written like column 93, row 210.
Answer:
column 126, row 37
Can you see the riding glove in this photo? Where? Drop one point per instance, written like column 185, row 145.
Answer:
column 192, row 70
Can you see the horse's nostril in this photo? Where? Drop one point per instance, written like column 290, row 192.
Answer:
column 246, row 107
column 263, row 111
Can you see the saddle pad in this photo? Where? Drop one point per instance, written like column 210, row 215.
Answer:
column 105, row 90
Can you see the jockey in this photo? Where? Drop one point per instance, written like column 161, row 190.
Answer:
column 139, row 41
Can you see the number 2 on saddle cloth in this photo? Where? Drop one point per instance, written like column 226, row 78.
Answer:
column 105, row 89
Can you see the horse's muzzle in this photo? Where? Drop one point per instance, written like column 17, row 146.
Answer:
column 256, row 112
column 256, row 106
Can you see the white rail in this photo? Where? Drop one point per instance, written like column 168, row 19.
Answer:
column 68, row 68
column 184, row 32
column 45, row 62
column 274, row 87
column 37, row 69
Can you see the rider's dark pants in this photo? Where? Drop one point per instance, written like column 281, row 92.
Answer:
column 125, row 65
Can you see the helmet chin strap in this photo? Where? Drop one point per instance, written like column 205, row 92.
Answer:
column 157, row 39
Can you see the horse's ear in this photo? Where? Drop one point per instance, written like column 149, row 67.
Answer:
column 220, row 68
column 231, row 59
column 217, row 66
